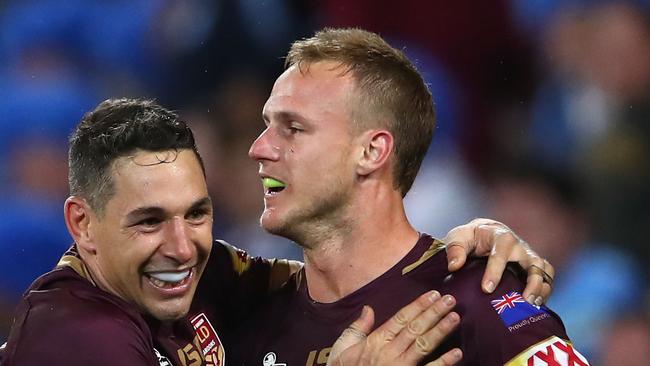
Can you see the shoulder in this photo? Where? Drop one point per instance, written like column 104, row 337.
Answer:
column 428, row 258
column 228, row 262
column 73, row 301
column 229, row 255
column 501, row 326
column 71, row 322
column 235, row 282
column 473, row 303
column 466, row 282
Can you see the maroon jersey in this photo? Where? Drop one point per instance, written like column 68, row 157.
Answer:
column 495, row 329
column 64, row 319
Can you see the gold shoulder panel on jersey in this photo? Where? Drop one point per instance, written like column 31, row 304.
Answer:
column 436, row 246
column 281, row 270
column 551, row 351
column 77, row 265
column 241, row 261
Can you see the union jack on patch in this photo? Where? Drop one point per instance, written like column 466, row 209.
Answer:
column 507, row 301
column 512, row 308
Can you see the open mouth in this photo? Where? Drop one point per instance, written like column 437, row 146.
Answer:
column 171, row 279
column 273, row 186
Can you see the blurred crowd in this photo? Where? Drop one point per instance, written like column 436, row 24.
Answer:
column 543, row 123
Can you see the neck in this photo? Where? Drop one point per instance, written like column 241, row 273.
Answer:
column 90, row 270
column 375, row 236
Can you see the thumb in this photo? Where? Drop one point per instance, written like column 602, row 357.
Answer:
column 363, row 325
column 354, row 334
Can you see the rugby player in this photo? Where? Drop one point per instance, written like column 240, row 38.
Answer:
column 347, row 126
column 141, row 219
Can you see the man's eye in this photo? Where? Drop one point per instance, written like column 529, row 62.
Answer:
column 196, row 215
column 151, row 221
column 294, row 129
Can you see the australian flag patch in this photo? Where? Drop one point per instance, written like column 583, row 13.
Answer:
column 512, row 308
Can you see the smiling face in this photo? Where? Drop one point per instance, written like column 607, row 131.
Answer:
column 152, row 241
column 308, row 146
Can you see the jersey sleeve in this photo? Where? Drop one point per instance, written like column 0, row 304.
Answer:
column 503, row 329
column 48, row 334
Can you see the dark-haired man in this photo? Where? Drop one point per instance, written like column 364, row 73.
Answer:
column 141, row 220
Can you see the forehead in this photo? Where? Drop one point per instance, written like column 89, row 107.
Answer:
column 167, row 179
column 322, row 87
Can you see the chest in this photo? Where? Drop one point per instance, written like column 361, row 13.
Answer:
column 293, row 330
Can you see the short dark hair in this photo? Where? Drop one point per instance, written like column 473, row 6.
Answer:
column 392, row 93
column 116, row 128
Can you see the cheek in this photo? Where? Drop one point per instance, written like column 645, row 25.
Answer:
column 136, row 249
column 123, row 262
column 204, row 245
column 110, row 251
column 340, row 165
column 320, row 158
column 202, row 236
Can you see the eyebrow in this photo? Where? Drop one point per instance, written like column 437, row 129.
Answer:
column 203, row 202
column 283, row 115
column 158, row 211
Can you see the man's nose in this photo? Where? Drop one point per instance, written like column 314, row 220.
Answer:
column 178, row 242
column 265, row 147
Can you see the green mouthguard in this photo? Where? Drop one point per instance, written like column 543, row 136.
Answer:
column 272, row 183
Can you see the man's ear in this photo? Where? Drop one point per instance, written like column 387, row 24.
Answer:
column 78, row 218
column 377, row 147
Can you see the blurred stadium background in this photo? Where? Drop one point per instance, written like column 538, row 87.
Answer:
column 543, row 123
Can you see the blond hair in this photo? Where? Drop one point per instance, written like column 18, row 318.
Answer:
column 392, row 93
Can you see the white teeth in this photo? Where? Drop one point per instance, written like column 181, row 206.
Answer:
column 172, row 277
column 158, row 283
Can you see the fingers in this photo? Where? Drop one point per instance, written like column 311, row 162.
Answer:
column 503, row 243
column 547, row 288
column 426, row 331
column 450, row 358
column 506, row 247
column 424, row 344
column 539, row 283
column 393, row 326
column 456, row 255
column 355, row 333
column 404, row 339
column 417, row 329
column 485, row 237
column 534, row 280
column 461, row 241
column 362, row 326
